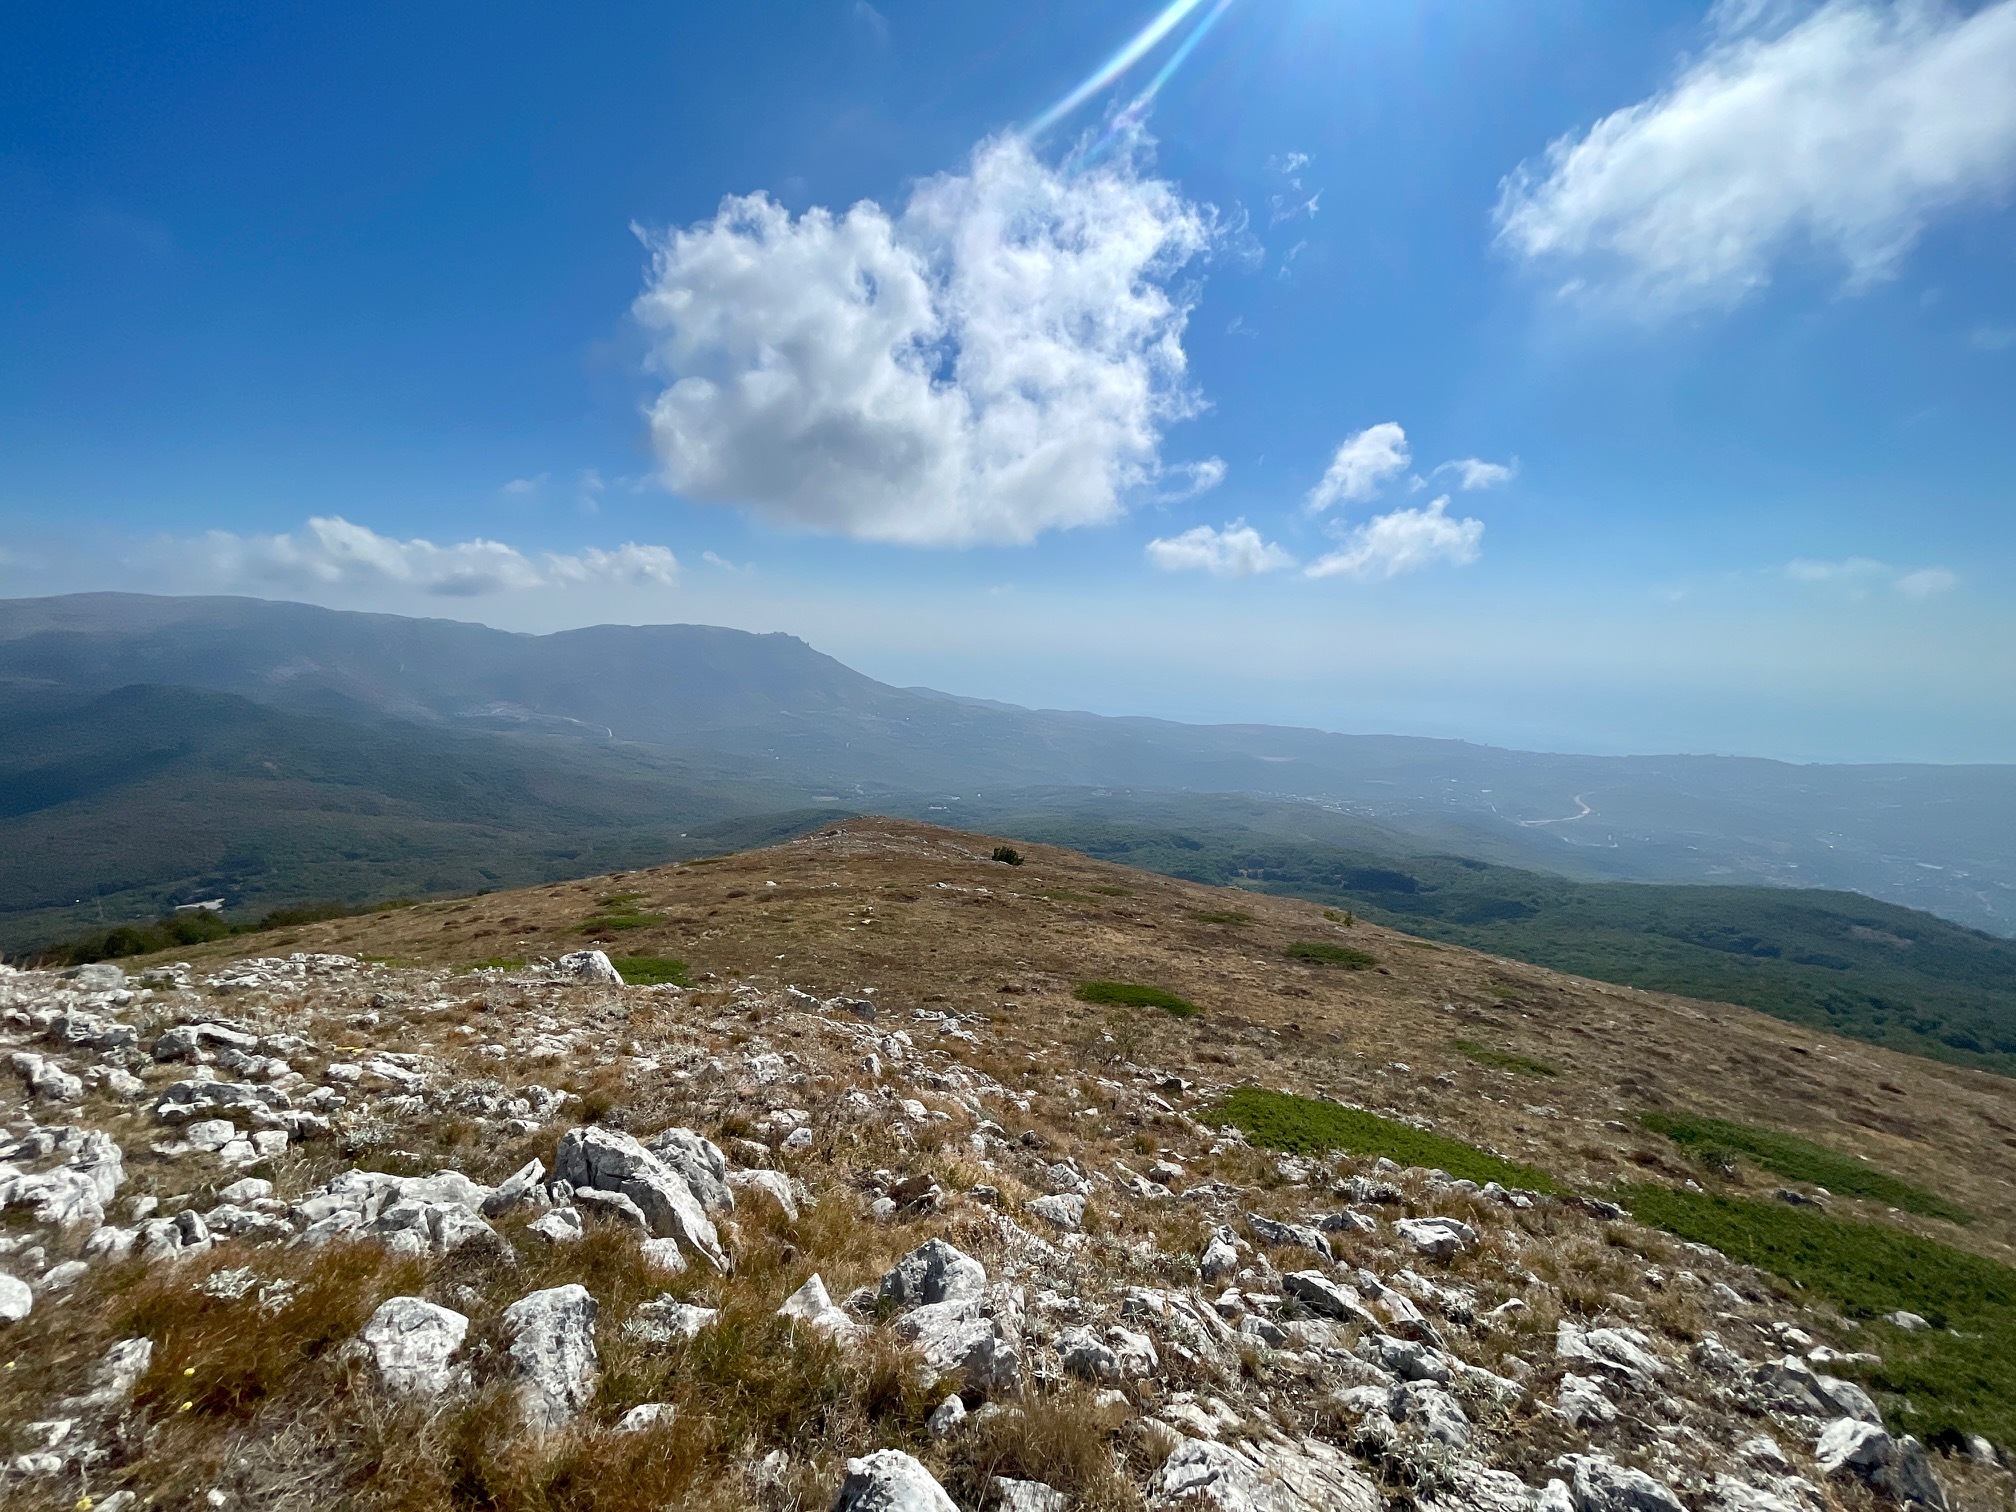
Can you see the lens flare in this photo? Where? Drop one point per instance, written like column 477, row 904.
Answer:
column 1143, row 41
column 1125, row 123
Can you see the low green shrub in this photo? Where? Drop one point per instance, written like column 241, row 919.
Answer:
column 1135, row 995
column 1503, row 1060
column 1957, row 1377
column 1796, row 1159
column 652, row 971
column 1008, row 855
column 1311, row 1126
column 615, row 921
column 1325, row 953
column 1224, row 916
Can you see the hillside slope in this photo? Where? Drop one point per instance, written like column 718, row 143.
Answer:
column 899, row 1194
column 115, row 806
column 1939, row 838
column 1832, row 960
column 900, row 1200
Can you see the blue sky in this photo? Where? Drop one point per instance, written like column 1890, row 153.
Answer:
column 1561, row 374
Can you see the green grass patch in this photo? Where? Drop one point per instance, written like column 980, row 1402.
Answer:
column 652, row 971
column 1959, row 1378
column 1224, row 916
column 1503, row 1060
column 1717, row 1140
column 1135, row 995
column 615, row 921
column 1325, row 953
column 1310, row 1126
column 1109, row 891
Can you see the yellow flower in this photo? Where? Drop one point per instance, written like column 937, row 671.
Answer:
column 191, row 1370
column 185, row 1406
column 83, row 1504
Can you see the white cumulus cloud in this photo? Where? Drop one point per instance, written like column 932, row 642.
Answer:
column 997, row 359
column 1364, row 463
column 332, row 552
column 1406, row 540
column 1843, row 127
column 1236, row 551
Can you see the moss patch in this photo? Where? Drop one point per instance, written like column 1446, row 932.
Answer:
column 1324, row 953
column 652, row 971
column 1503, row 1060
column 1310, row 1126
column 1135, row 995
column 1959, row 1377
column 1717, row 1140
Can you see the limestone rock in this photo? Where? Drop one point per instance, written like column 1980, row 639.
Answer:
column 553, row 1353
column 934, row 1272
column 1331, row 1299
column 1028, row 1496
column 1602, row 1485
column 772, row 1184
column 1296, row 1235
column 1064, row 1210
column 609, row 1160
column 643, row 1416
column 700, row 1161
column 16, row 1299
column 590, row 966
column 411, row 1342
column 811, row 1306
column 1438, row 1238
column 1221, row 1256
column 1260, row 1477
column 891, row 1481
column 1896, row 1467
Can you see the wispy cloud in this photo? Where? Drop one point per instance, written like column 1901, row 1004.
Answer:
column 997, row 359
column 1406, row 540
column 1862, row 574
column 1990, row 338
column 1473, row 474
column 1365, row 461
column 1844, row 126
column 1236, row 551
column 1193, row 478
column 333, row 552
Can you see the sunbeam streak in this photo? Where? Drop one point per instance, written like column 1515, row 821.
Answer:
column 1168, row 20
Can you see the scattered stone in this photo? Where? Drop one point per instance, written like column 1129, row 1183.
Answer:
column 645, row 1415
column 1600, row 1484
column 589, row 966
column 1582, row 1402
column 1290, row 1235
column 1063, row 1210
column 1437, row 1238
column 934, row 1272
column 1027, row 1496
column 1260, row 1476
column 561, row 1226
column 16, row 1299
column 1896, row 1467
column 946, row 1416
column 411, row 1343
column 891, row 1481
column 553, row 1353
column 811, row 1306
